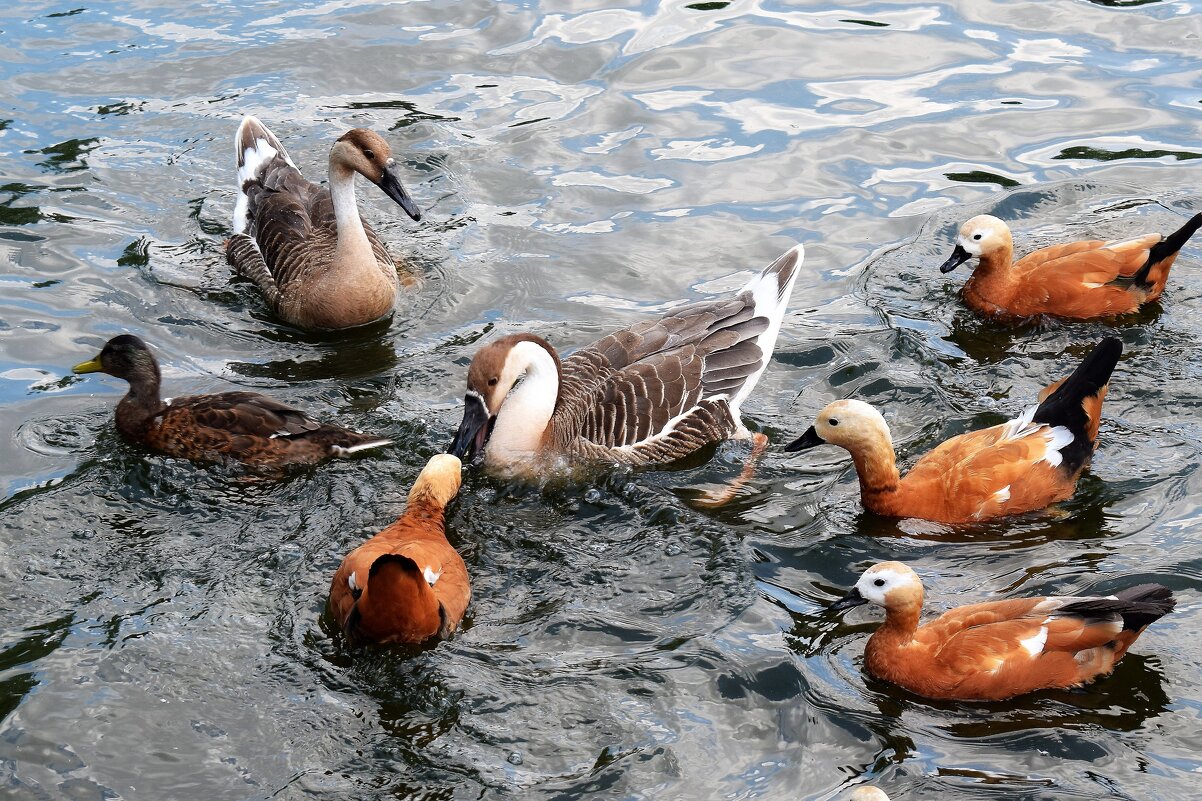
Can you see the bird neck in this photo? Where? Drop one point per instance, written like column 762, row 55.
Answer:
column 876, row 467
column 142, row 402
column 353, row 248
column 522, row 422
column 901, row 621
column 993, row 279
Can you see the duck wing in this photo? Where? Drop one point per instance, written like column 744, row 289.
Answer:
column 244, row 414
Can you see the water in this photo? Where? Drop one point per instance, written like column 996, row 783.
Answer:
column 581, row 166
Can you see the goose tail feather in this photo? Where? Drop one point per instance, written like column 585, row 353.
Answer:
column 770, row 291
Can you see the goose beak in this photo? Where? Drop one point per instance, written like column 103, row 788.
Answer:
column 809, row 439
column 392, row 187
column 473, row 430
column 93, row 366
column 958, row 257
column 852, row 598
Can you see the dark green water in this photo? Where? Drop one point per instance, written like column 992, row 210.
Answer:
column 582, row 166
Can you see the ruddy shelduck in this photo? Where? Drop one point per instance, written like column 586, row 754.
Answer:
column 1019, row 466
column 868, row 793
column 245, row 427
column 999, row 649
column 407, row 583
column 1080, row 280
column 318, row 265
column 648, row 394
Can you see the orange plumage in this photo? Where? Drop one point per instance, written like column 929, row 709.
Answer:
column 1078, row 280
column 1018, row 466
column 999, row 649
column 407, row 583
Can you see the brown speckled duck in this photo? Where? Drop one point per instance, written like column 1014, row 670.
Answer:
column 648, row 394
column 231, row 426
column 317, row 264
column 407, row 583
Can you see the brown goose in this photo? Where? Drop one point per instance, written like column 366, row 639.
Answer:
column 648, row 394
column 231, row 426
column 317, row 264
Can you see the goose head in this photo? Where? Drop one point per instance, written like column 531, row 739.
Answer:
column 892, row 585
column 125, row 357
column 849, row 423
column 495, row 370
column 981, row 236
column 366, row 153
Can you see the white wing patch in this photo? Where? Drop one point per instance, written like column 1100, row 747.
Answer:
column 430, row 575
column 1002, row 495
column 1034, row 644
column 1056, row 438
column 350, row 581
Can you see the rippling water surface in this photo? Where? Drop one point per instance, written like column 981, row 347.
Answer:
column 582, row 165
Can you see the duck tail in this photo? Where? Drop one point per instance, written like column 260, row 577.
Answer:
column 1075, row 403
column 1139, row 607
column 1155, row 273
column 397, row 605
column 353, row 442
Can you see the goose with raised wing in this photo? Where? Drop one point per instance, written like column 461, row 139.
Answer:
column 1077, row 280
column 318, row 265
column 648, row 394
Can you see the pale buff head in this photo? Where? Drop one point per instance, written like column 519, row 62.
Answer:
column 980, row 237
column 848, row 423
column 891, row 585
column 439, row 481
column 867, row 793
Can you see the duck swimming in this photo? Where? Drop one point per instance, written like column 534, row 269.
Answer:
column 1018, row 466
column 231, row 426
column 1078, row 280
column 648, row 394
column 318, row 265
column 999, row 649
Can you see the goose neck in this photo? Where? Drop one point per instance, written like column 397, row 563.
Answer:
column 526, row 412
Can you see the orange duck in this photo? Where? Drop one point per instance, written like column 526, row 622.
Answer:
column 1018, row 466
column 999, row 649
column 406, row 584
column 1078, row 280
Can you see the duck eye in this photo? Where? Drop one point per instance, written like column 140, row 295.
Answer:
column 371, row 155
column 976, row 236
column 879, row 582
column 832, row 422
column 492, row 382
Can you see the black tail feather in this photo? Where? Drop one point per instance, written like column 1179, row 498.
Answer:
column 1064, row 406
column 1147, row 603
column 1167, row 247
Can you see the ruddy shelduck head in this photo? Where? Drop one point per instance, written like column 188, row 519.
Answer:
column 868, row 793
column 980, row 236
column 849, row 423
column 438, row 481
column 892, row 585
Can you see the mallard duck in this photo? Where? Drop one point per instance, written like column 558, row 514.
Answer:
column 231, row 426
column 648, row 394
column 999, row 649
column 407, row 583
column 317, row 264
column 1076, row 280
column 1018, row 466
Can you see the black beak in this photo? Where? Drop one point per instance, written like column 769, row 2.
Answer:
column 392, row 187
column 473, row 430
column 852, row 598
column 958, row 257
column 809, row 439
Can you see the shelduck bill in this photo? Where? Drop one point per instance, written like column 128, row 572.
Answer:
column 648, row 394
column 407, row 583
column 231, row 426
column 999, row 649
column 317, row 264
column 1019, row 466
column 1078, row 280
